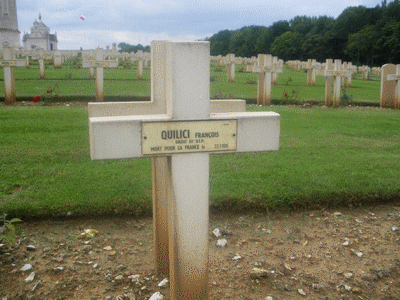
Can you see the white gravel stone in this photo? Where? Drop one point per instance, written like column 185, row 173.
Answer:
column 222, row 242
column 348, row 275
column 217, row 232
column 301, row 292
column 30, row 278
column 26, row 267
column 164, row 282
column 135, row 278
column 156, row 296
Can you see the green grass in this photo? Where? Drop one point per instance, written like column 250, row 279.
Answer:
column 74, row 83
column 327, row 156
column 122, row 84
column 245, row 87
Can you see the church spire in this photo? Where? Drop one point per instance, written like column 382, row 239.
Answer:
column 40, row 17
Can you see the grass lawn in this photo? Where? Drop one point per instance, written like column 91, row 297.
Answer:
column 335, row 156
column 122, row 84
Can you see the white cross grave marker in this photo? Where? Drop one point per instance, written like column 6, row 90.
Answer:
column 8, row 63
column 184, row 137
column 230, row 67
column 390, row 86
column 99, row 63
column 265, row 69
column 57, row 59
column 140, row 58
column 157, row 105
column 311, row 71
column 277, row 65
column 337, row 73
column 40, row 57
column 364, row 70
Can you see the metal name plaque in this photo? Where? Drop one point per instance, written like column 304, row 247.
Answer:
column 160, row 138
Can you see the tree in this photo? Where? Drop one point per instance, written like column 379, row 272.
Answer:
column 279, row 28
column 264, row 41
column 302, row 24
column 315, row 47
column 388, row 43
column 125, row 47
column 219, row 43
column 361, row 45
column 288, row 46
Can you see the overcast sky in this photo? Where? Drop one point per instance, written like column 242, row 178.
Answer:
column 141, row 21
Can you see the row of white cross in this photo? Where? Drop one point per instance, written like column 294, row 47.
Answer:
column 266, row 70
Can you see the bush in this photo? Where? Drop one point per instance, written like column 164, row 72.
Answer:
column 8, row 231
column 345, row 99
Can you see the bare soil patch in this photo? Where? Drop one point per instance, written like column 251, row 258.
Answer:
column 324, row 254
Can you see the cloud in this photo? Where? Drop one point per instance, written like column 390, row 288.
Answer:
column 75, row 39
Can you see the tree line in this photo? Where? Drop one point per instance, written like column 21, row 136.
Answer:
column 125, row 47
column 359, row 34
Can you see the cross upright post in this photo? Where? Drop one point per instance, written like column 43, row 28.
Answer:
column 99, row 63
column 328, row 82
column 277, row 65
column 8, row 63
column 89, row 55
column 230, row 67
column 337, row 83
column 40, row 57
column 311, row 71
column 140, row 58
column 390, row 86
column 184, row 136
column 57, row 59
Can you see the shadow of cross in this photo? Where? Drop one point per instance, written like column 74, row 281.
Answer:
column 183, row 136
column 99, row 63
column 8, row 63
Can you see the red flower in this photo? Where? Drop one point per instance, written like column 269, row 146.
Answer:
column 56, row 96
column 36, row 98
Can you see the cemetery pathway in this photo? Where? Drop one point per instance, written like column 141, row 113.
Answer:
column 321, row 254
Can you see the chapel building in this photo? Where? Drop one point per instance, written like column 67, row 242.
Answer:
column 9, row 33
column 40, row 37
